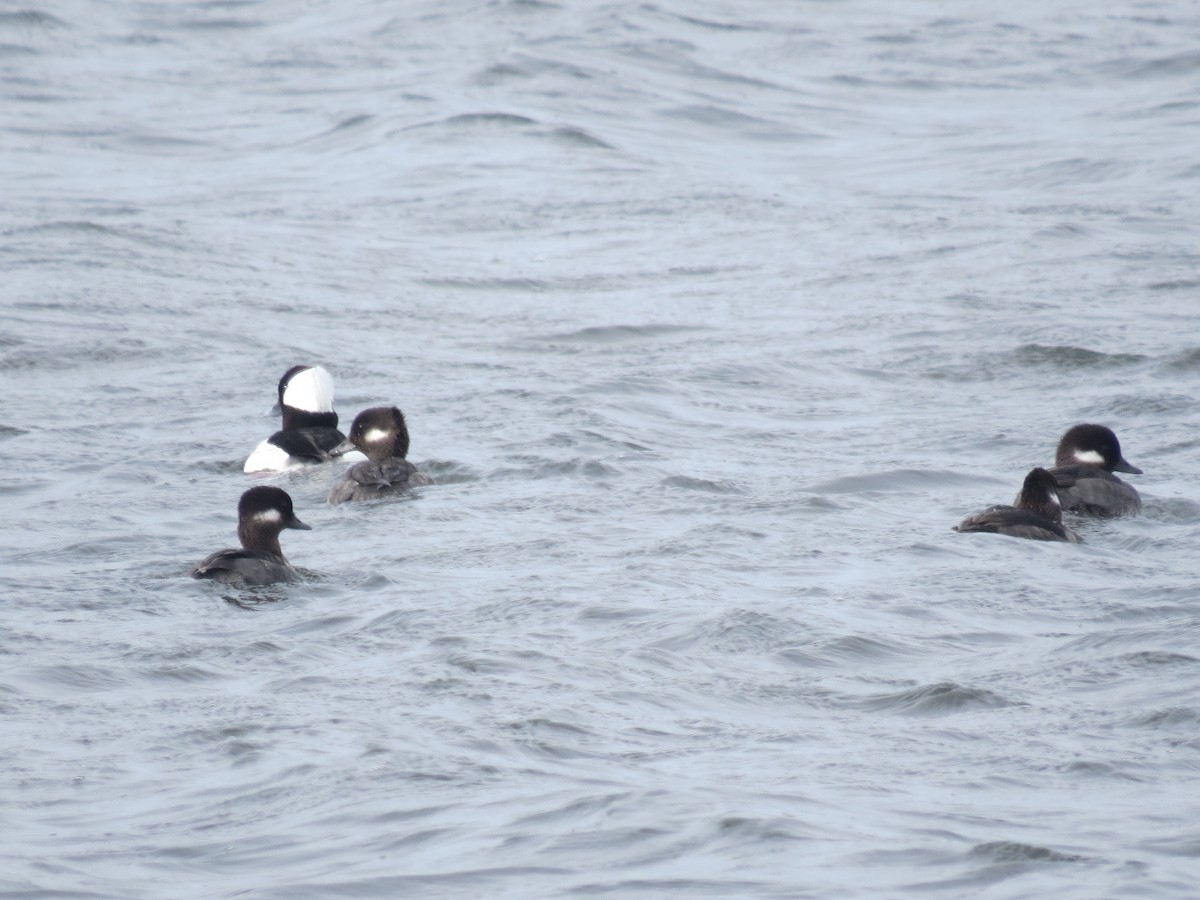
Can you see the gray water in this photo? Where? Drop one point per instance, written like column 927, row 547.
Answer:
column 710, row 320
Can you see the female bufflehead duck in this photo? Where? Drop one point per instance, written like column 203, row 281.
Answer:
column 263, row 512
column 1036, row 513
column 381, row 434
column 310, row 433
column 1083, row 466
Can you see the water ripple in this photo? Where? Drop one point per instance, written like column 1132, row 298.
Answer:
column 942, row 698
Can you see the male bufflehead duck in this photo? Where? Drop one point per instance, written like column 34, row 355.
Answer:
column 263, row 512
column 381, row 434
column 1083, row 467
column 1036, row 513
column 310, row 433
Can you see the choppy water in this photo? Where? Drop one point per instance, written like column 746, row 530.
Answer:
column 710, row 319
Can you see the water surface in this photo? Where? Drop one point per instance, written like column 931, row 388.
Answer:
column 710, row 320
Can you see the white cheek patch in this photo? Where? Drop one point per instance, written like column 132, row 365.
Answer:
column 1089, row 456
column 1054, row 498
column 310, row 390
column 376, row 436
column 269, row 516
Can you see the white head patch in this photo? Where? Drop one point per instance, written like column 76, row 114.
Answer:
column 377, row 435
column 310, row 390
column 1054, row 498
column 268, row 516
column 1089, row 456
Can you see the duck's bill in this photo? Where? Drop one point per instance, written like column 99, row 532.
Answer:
column 1127, row 468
